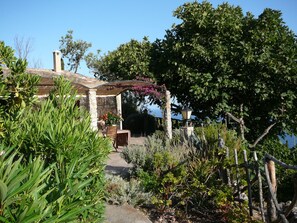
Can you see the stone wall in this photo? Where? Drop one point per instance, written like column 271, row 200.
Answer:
column 106, row 104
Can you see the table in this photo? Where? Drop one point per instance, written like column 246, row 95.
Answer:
column 123, row 137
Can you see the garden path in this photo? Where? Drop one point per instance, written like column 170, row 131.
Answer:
column 123, row 213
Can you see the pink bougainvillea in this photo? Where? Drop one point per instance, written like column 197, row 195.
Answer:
column 156, row 91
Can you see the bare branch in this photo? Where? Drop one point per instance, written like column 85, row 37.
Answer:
column 23, row 47
column 233, row 117
column 284, row 165
column 266, row 131
column 240, row 121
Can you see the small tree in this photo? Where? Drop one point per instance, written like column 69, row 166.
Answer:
column 72, row 50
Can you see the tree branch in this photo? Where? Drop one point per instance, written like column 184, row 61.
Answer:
column 266, row 131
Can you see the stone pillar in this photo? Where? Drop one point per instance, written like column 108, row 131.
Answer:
column 92, row 104
column 168, row 123
column 119, row 107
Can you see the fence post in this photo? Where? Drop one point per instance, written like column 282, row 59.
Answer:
column 271, row 170
column 227, row 170
column 260, row 187
column 237, row 173
column 248, row 181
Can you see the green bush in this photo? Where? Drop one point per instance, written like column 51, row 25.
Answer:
column 140, row 124
column 124, row 192
column 188, row 174
column 60, row 133
column 29, row 193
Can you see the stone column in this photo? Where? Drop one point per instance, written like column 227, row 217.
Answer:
column 92, row 104
column 168, row 123
column 119, row 107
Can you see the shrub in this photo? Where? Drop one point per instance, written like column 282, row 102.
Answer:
column 140, row 124
column 30, row 194
column 59, row 132
column 122, row 192
column 187, row 174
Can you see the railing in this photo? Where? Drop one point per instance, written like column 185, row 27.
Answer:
column 252, row 166
column 176, row 123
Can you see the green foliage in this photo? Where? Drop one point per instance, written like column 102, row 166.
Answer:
column 55, row 173
column 57, row 128
column 129, row 104
column 74, row 51
column 29, row 193
column 123, row 192
column 223, row 59
column 17, row 88
column 187, row 175
column 22, row 189
column 217, row 59
column 59, row 132
column 129, row 61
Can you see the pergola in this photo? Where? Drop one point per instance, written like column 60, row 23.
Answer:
column 117, row 87
column 92, row 88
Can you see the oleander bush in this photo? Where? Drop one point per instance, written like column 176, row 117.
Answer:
column 59, row 132
column 32, row 192
column 52, row 163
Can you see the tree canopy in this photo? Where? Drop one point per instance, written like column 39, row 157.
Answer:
column 127, row 62
column 219, row 60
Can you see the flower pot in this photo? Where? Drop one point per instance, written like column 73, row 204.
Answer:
column 111, row 132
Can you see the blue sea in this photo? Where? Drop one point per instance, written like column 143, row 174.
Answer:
column 155, row 111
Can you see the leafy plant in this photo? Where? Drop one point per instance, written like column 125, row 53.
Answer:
column 111, row 118
column 30, row 193
column 22, row 188
column 121, row 192
column 188, row 174
column 60, row 133
column 17, row 88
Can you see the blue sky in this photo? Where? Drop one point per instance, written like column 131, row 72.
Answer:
column 106, row 24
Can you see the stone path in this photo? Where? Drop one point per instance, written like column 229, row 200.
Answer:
column 123, row 213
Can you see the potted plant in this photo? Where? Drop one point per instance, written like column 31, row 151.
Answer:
column 109, row 123
column 110, row 118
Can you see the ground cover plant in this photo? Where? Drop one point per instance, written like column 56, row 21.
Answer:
column 186, row 176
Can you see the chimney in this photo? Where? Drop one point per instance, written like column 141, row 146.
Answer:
column 57, row 61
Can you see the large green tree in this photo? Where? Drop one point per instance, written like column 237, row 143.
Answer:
column 220, row 60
